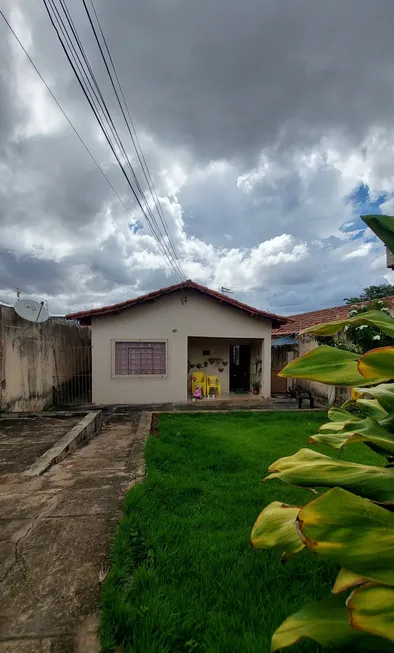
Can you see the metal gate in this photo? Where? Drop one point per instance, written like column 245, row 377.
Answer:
column 73, row 376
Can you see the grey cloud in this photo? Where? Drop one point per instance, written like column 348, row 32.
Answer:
column 226, row 77
column 217, row 79
column 32, row 274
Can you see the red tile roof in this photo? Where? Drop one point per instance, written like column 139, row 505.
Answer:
column 85, row 316
column 305, row 320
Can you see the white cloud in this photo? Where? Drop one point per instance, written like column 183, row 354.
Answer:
column 359, row 252
column 266, row 219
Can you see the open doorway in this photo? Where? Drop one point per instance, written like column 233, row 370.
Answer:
column 240, row 368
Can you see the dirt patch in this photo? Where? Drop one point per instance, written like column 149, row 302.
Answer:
column 155, row 425
column 24, row 439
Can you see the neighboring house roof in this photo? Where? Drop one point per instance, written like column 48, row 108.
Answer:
column 305, row 320
column 85, row 316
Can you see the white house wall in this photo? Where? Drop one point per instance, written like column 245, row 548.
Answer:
column 167, row 318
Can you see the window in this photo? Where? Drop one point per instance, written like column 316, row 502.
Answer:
column 139, row 358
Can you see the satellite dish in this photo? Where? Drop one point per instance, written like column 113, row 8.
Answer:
column 31, row 310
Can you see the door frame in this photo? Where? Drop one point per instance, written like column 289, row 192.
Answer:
column 240, row 358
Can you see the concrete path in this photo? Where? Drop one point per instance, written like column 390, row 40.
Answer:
column 55, row 535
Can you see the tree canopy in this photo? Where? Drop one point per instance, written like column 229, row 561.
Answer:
column 372, row 293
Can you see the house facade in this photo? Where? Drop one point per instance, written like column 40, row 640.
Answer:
column 287, row 345
column 146, row 350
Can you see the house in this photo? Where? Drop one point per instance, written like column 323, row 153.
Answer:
column 146, row 350
column 286, row 345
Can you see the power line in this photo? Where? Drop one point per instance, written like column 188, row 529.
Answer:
column 82, row 69
column 69, row 121
column 129, row 122
column 64, row 113
column 95, row 99
column 93, row 93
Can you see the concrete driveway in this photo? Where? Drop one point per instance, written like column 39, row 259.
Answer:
column 55, row 536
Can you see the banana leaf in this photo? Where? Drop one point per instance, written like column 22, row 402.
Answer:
column 368, row 430
column 383, row 227
column 326, row 622
column 346, row 580
column 383, row 393
column 377, row 362
column 372, row 610
column 372, row 408
column 342, row 415
column 351, row 531
column 275, row 528
column 328, row 365
column 308, row 468
column 379, row 319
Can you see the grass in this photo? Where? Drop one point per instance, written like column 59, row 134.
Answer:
column 183, row 575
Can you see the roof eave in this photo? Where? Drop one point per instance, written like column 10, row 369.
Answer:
column 85, row 316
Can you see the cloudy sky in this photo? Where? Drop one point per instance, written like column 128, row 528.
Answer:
column 268, row 128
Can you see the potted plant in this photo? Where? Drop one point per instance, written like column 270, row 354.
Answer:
column 255, row 377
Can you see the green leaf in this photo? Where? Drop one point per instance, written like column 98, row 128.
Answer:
column 346, row 580
column 372, row 610
column 367, row 430
column 383, row 393
column 327, row 365
column 342, row 415
column 377, row 362
column 372, row 408
column 275, row 528
column 383, row 227
column 353, row 532
column 379, row 319
column 308, row 468
column 326, row 622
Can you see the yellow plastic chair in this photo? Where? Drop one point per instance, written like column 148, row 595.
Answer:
column 214, row 383
column 199, row 379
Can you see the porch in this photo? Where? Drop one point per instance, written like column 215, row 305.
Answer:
column 240, row 364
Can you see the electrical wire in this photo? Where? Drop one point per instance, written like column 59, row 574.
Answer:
column 82, row 69
column 71, row 124
column 97, row 104
column 129, row 122
column 130, row 125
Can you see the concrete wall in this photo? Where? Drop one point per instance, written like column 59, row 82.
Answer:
column 328, row 393
column 306, row 344
column 37, row 361
column 173, row 318
column 218, row 348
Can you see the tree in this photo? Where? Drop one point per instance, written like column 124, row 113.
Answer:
column 372, row 293
column 360, row 338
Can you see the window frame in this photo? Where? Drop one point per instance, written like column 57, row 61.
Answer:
column 138, row 376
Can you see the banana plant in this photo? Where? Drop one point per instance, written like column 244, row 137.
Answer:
column 352, row 523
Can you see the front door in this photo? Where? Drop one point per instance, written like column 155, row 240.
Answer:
column 240, row 368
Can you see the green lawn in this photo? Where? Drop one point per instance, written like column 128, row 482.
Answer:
column 183, row 576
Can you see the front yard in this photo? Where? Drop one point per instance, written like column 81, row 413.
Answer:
column 184, row 577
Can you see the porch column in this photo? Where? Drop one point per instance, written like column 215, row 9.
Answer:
column 266, row 366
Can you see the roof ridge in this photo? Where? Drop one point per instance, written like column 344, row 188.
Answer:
column 115, row 308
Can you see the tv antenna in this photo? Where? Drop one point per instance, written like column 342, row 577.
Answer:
column 226, row 291
column 31, row 311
